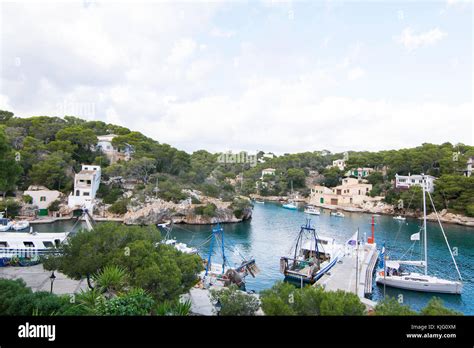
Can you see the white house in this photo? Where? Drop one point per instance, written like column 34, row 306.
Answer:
column 468, row 171
column 268, row 171
column 266, row 156
column 404, row 182
column 42, row 197
column 86, row 184
column 340, row 163
column 112, row 153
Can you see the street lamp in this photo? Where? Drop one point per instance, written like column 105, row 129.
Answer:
column 52, row 278
column 218, row 306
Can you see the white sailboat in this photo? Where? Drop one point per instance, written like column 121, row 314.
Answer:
column 392, row 274
column 291, row 203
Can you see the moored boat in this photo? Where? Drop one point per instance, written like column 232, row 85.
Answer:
column 312, row 210
column 337, row 214
column 399, row 218
column 313, row 256
column 392, row 274
column 20, row 225
column 290, row 205
column 5, row 224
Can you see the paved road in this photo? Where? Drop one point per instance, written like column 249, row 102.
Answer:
column 38, row 279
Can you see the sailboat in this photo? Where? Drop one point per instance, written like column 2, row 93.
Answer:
column 291, row 203
column 391, row 274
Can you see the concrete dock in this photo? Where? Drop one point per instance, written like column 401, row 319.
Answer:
column 353, row 273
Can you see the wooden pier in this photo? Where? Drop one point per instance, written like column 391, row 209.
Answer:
column 353, row 273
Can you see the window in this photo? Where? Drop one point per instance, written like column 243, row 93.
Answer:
column 3, row 244
column 48, row 244
column 86, row 168
column 77, row 192
column 85, row 193
column 29, row 244
column 88, row 182
column 43, row 199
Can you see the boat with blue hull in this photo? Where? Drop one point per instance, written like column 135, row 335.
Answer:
column 313, row 256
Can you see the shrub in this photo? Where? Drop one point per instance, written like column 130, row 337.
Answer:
column 11, row 206
column 235, row 302
column 391, row 306
column 112, row 195
column 135, row 302
column 27, row 199
column 119, row 207
column 435, row 307
column 54, row 205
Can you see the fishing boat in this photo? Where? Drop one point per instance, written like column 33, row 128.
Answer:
column 399, row 218
column 5, row 224
column 220, row 274
column 312, row 211
column 312, row 257
column 337, row 214
column 20, row 225
column 392, row 274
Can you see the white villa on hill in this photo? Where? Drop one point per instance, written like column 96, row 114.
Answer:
column 112, row 153
column 404, row 182
column 468, row 171
column 86, row 184
column 340, row 163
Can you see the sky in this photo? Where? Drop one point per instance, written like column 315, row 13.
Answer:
column 247, row 75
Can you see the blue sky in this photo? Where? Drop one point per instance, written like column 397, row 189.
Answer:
column 277, row 76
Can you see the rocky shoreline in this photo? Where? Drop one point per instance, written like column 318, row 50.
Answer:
column 382, row 209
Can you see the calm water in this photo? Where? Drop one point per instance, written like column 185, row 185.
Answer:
column 272, row 232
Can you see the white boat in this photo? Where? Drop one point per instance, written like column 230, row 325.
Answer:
column 180, row 246
column 312, row 211
column 260, row 202
column 399, row 218
column 20, row 225
column 26, row 243
column 5, row 224
column 290, row 205
column 173, row 242
column 313, row 256
column 337, row 214
column 392, row 274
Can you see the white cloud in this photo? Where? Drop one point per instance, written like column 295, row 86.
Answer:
column 216, row 32
column 355, row 73
column 182, row 50
column 150, row 69
column 411, row 41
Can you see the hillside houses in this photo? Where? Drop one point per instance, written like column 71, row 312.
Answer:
column 351, row 192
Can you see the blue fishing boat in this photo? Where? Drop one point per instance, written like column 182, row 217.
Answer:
column 313, row 256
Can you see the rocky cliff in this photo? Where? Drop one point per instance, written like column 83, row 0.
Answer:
column 157, row 211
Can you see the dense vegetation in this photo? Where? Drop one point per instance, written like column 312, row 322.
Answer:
column 47, row 150
column 159, row 269
column 285, row 299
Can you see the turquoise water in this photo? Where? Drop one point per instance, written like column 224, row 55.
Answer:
column 272, row 230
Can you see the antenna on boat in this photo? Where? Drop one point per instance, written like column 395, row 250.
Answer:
column 216, row 232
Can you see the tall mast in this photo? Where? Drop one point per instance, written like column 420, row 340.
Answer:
column 425, row 234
